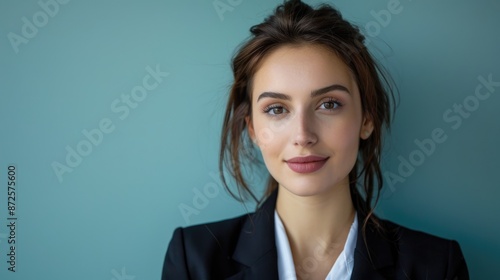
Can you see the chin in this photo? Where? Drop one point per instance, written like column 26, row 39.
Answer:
column 305, row 188
column 313, row 185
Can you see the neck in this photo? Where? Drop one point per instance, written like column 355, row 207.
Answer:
column 319, row 222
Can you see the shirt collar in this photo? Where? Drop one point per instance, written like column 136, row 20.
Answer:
column 342, row 268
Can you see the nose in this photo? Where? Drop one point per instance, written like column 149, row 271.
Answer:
column 304, row 134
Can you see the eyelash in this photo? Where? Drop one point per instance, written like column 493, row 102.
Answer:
column 335, row 102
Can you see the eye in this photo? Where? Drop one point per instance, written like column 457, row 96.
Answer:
column 274, row 110
column 331, row 105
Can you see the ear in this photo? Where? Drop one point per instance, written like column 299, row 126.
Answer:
column 366, row 128
column 251, row 131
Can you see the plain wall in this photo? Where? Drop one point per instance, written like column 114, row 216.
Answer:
column 110, row 215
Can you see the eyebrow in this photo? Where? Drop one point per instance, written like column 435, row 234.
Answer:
column 314, row 93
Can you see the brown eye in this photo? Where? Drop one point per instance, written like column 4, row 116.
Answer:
column 277, row 110
column 331, row 105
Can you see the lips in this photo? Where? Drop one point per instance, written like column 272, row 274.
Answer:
column 307, row 164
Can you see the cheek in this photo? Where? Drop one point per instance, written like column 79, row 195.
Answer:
column 270, row 134
column 269, row 140
column 344, row 136
column 271, row 145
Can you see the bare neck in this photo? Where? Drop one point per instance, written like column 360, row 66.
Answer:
column 324, row 219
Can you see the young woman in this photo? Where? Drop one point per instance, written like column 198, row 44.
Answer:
column 309, row 96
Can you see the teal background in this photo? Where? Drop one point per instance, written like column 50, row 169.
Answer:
column 113, row 215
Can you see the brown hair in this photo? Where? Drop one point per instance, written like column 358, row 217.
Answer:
column 294, row 23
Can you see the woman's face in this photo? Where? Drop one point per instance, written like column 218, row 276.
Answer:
column 305, row 102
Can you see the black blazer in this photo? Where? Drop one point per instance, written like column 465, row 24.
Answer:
column 244, row 248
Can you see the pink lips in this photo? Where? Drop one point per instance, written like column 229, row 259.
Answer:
column 306, row 164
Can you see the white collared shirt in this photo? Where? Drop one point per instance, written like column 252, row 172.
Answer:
column 341, row 269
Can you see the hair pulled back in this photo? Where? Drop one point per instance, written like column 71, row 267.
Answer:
column 296, row 23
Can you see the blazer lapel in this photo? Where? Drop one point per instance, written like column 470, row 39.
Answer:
column 374, row 263
column 256, row 247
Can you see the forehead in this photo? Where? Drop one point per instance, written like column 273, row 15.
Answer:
column 296, row 69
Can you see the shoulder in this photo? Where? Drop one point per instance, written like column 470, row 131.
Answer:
column 194, row 251
column 222, row 232
column 417, row 252
column 220, row 249
column 417, row 242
